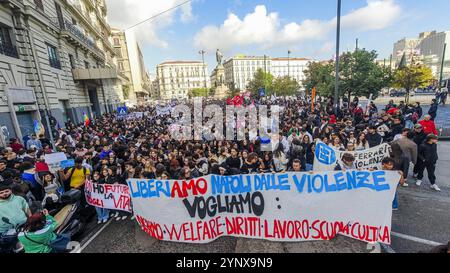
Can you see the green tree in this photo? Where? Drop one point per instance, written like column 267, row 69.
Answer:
column 360, row 75
column 199, row 92
column 285, row 86
column 413, row 76
column 321, row 76
column 261, row 80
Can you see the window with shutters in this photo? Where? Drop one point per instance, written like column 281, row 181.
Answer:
column 53, row 57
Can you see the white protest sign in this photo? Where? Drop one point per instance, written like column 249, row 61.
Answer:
column 116, row 197
column 326, row 158
column 54, row 161
column 289, row 207
column 162, row 111
column 135, row 115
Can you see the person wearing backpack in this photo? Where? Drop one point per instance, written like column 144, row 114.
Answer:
column 76, row 176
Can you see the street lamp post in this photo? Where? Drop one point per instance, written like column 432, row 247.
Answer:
column 202, row 52
column 442, row 66
column 338, row 38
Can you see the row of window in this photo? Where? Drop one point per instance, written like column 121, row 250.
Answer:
column 172, row 86
column 251, row 63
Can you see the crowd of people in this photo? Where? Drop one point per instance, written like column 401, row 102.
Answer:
column 113, row 149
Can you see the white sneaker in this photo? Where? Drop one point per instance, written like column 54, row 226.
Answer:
column 124, row 217
column 132, row 218
column 435, row 187
column 19, row 248
column 117, row 218
column 105, row 220
column 405, row 185
column 419, row 182
column 99, row 222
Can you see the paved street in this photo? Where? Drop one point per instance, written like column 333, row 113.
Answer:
column 422, row 220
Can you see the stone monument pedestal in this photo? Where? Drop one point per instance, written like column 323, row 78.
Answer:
column 218, row 82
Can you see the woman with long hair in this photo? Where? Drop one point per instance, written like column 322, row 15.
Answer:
column 308, row 152
column 268, row 163
column 280, row 161
column 336, row 144
column 362, row 143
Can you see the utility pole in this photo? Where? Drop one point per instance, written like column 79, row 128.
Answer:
column 357, row 44
column 441, row 78
column 338, row 39
column 202, row 52
column 390, row 62
column 265, row 74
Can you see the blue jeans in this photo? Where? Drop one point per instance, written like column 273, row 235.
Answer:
column 409, row 124
column 395, row 202
column 102, row 214
column 309, row 167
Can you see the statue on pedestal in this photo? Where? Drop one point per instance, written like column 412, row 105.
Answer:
column 219, row 57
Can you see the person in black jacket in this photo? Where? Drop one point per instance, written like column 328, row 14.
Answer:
column 397, row 128
column 433, row 110
column 373, row 137
column 234, row 162
column 418, row 109
column 419, row 138
column 428, row 158
column 419, row 135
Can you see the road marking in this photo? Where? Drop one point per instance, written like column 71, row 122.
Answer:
column 95, row 236
column 415, row 239
column 388, row 249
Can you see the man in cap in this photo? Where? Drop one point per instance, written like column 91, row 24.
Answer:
column 427, row 159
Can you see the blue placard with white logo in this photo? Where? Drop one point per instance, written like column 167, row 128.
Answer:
column 67, row 163
column 122, row 111
column 325, row 154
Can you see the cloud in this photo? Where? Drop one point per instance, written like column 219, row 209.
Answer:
column 326, row 49
column 378, row 14
column 125, row 13
column 264, row 29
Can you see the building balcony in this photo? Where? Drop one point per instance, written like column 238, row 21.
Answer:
column 9, row 50
column 75, row 36
column 75, row 5
column 94, row 74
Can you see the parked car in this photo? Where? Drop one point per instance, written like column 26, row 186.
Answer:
column 401, row 93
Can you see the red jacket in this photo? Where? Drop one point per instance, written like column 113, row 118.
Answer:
column 429, row 127
column 16, row 147
column 41, row 167
column 392, row 111
column 332, row 120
